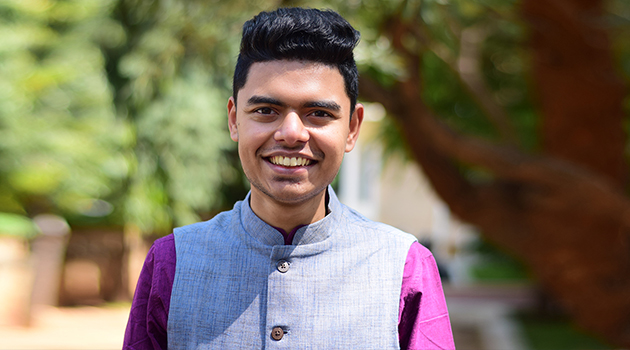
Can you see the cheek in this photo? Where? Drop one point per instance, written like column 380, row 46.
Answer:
column 336, row 141
column 250, row 141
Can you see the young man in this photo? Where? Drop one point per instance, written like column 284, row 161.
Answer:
column 290, row 267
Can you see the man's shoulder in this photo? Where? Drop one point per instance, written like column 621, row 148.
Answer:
column 359, row 221
column 219, row 222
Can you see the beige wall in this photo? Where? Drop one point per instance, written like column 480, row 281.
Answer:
column 407, row 200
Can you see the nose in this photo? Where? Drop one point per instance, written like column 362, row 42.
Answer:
column 292, row 130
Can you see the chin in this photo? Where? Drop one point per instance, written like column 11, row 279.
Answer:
column 291, row 193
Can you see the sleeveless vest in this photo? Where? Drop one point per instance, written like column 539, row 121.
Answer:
column 237, row 286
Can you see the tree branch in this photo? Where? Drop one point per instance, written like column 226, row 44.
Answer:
column 467, row 67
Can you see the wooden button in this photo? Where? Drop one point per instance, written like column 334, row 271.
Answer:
column 277, row 333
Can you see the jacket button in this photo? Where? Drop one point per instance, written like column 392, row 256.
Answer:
column 277, row 333
column 283, row 266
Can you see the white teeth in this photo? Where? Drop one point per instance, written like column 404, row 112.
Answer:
column 289, row 162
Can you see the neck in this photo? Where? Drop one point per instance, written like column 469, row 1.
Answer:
column 288, row 216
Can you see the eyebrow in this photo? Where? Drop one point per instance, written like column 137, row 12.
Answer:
column 330, row 105
column 254, row 100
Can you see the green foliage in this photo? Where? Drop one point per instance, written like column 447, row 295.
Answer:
column 505, row 67
column 502, row 61
column 180, row 154
column 494, row 265
column 114, row 110
column 17, row 226
column 446, row 97
column 54, row 106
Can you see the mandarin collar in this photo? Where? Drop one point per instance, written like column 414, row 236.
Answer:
column 309, row 234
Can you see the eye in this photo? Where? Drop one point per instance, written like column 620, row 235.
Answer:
column 264, row 110
column 321, row 114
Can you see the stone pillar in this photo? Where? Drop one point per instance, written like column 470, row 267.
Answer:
column 49, row 250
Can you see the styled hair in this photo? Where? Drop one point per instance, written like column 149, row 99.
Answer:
column 303, row 35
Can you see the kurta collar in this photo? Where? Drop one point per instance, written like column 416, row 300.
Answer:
column 313, row 233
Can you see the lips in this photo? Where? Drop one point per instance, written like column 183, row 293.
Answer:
column 289, row 161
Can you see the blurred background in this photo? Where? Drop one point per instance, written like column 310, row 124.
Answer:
column 496, row 132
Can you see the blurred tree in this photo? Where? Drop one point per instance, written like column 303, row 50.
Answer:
column 116, row 108
column 171, row 77
column 54, row 105
column 515, row 112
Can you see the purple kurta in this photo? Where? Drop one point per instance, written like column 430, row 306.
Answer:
column 423, row 321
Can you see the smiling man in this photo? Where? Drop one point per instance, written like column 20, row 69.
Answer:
column 293, row 125
column 290, row 267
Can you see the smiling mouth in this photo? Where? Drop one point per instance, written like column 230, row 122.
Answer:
column 289, row 161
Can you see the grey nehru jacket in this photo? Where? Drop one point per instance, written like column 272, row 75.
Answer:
column 237, row 286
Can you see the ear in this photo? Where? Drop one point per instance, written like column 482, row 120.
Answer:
column 232, row 125
column 355, row 125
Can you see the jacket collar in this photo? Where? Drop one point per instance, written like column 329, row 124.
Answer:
column 309, row 234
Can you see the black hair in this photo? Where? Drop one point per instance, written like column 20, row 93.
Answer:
column 321, row 36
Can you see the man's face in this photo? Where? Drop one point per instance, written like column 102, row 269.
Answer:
column 293, row 126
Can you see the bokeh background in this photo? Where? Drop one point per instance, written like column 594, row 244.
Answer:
column 496, row 132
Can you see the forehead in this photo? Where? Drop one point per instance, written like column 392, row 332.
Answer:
column 295, row 79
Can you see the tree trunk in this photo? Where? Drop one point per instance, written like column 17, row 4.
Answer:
column 579, row 93
column 580, row 99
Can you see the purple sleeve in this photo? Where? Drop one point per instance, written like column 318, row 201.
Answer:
column 146, row 328
column 423, row 321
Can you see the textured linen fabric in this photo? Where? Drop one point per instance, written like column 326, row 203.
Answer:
column 422, row 315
